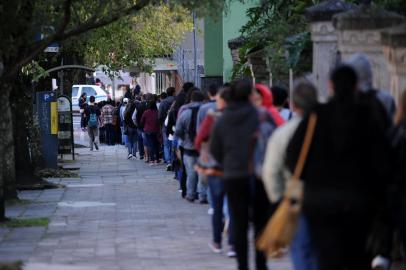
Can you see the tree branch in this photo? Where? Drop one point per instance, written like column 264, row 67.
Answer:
column 60, row 34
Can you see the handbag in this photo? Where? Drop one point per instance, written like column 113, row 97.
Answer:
column 281, row 227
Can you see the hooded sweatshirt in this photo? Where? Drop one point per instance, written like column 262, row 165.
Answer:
column 363, row 68
column 233, row 139
column 267, row 102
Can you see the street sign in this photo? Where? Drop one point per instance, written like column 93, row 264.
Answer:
column 65, row 125
column 46, row 109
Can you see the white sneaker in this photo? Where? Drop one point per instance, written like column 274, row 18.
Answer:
column 130, row 156
column 380, row 263
column 231, row 254
column 215, row 247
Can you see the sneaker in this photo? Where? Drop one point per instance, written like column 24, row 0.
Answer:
column 96, row 146
column 231, row 253
column 210, row 211
column 189, row 199
column 216, row 248
column 204, row 201
column 130, row 156
column 380, row 263
column 141, row 157
column 169, row 168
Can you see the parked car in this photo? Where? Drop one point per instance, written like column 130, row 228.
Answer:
column 90, row 90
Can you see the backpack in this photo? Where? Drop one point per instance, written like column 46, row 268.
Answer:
column 193, row 123
column 93, row 122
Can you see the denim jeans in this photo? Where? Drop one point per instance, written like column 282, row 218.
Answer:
column 192, row 178
column 202, row 187
column 93, row 133
column 153, row 145
column 140, row 143
column 167, row 146
column 304, row 256
column 218, row 201
column 109, row 134
column 132, row 141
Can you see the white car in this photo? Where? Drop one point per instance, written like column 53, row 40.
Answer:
column 90, row 90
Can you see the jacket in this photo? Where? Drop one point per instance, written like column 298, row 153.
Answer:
column 149, row 121
column 185, row 124
column 233, row 137
column 273, row 170
column 164, row 109
column 348, row 167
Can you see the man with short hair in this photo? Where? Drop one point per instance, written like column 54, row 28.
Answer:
column 92, row 116
column 186, row 131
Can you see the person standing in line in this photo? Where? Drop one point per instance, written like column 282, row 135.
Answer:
column 92, row 116
column 107, row 115
column 131, row 129
column 140, row 107
column 347, row 173
column 232, row 146
column 127, row 93
column 209, row 167
column 122, row 109
column 304, row 99
column 82, row 107
column 164, row 107
column 150, row 125
column 399, row 144
column 186, row 132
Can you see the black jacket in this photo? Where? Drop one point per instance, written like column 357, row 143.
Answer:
column 232, row 141
column 164, row 108
column 348, row 166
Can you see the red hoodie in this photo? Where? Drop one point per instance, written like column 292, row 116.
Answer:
column 267, row 102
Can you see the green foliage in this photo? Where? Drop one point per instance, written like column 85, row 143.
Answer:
column 134, row 41
column 269, row 25
column 25, row 222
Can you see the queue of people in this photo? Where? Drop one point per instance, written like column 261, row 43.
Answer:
column 236, row 146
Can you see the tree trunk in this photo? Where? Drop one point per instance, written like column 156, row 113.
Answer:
column 24, row 142
column 7, row 166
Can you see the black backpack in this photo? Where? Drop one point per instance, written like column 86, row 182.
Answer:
column 193, row 123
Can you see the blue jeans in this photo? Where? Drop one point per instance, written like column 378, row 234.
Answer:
column 132, row 136
column 140, row 143
column 191, row 176
column 304, row 255
column 202, row 187
column 153, row 146
column 218, row 201
column 167, row 145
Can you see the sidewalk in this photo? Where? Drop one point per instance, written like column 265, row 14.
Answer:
column 120, row 214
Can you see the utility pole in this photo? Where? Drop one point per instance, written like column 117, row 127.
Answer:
column 195, row 48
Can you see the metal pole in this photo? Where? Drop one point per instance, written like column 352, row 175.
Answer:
column 114, row 88
column 195, row 47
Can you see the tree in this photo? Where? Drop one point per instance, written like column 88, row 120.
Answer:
column 27, row 27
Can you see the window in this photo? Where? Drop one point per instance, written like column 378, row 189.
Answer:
column 75, row 91
column 89, row 91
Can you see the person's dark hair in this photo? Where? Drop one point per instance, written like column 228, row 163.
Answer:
column 213, row 89
column 97, row 80
column 92, row 99
column 241, row 90
column 163, row 95
column 304, row 95
column 83, row 95
column 280, row 95
column 187, row 86
column 189, row 94
column 197, row 96
column 151, row 105
column 344, row 79
column 225, row 93
column 170, row 91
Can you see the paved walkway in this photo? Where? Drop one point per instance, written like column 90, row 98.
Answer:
column 120, row 214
